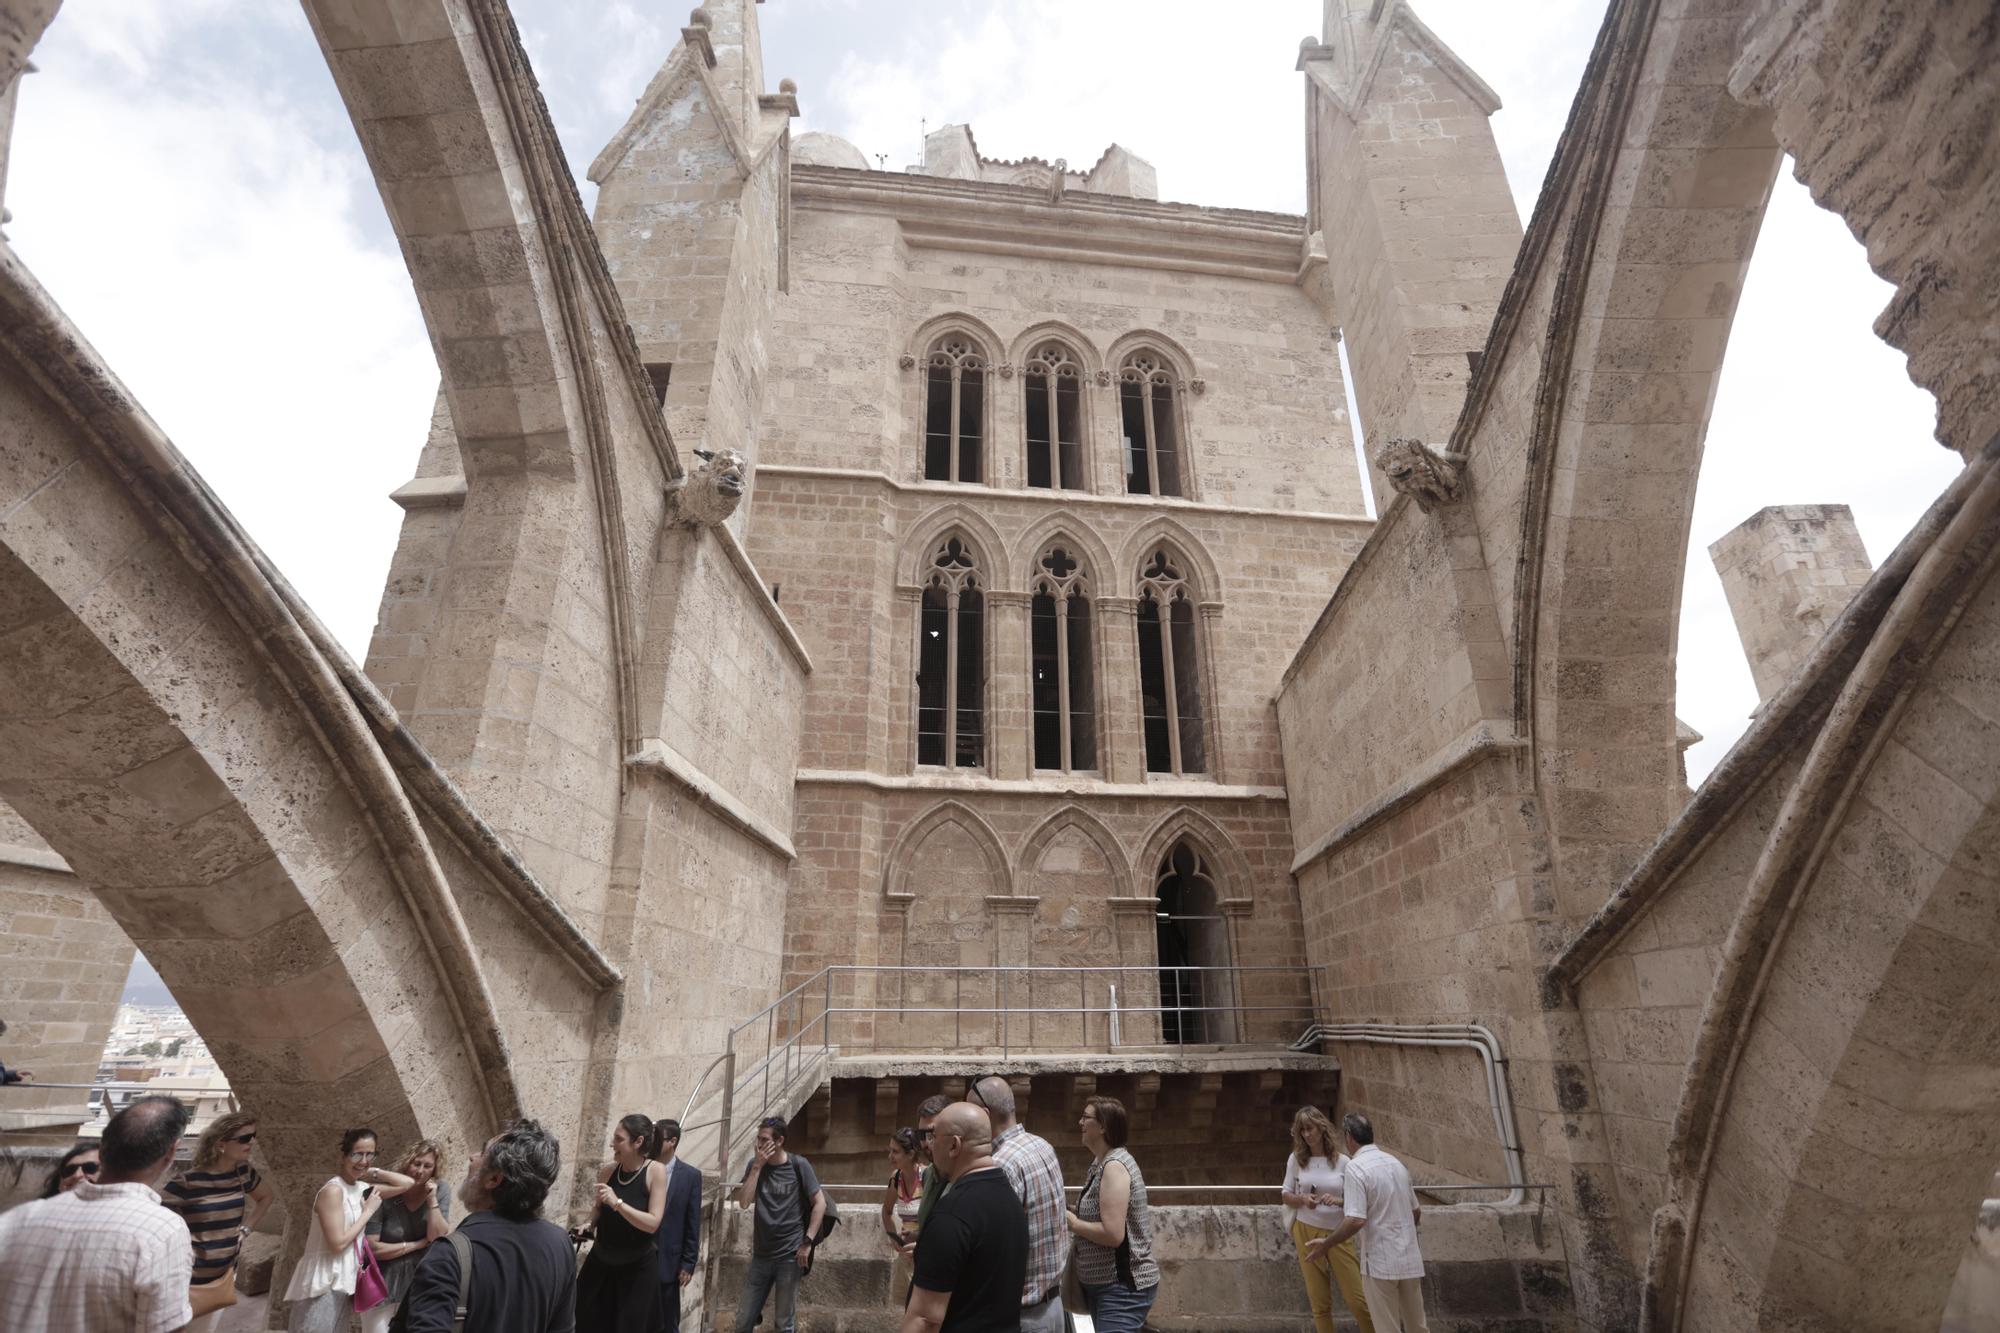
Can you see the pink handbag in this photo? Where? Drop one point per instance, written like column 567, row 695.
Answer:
column 370, row 1290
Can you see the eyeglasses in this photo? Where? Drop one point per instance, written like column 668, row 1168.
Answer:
column 251, row 1137
column 925, row 1133
column 361, row 1157
column 71, row 1168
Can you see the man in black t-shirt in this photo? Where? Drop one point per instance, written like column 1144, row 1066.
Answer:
column 972, row 1259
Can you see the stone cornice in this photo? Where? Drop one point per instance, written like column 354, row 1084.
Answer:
column 990, row 218
column 656, row 756
column 1167, row 789
column 1054, row 499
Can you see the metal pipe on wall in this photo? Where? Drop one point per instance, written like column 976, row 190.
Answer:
column 1472, row 1036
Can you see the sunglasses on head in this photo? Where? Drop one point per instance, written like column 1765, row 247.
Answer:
column 71, row 1168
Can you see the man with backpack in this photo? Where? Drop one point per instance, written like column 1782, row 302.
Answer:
column 523, row 1272
column 789, row 1206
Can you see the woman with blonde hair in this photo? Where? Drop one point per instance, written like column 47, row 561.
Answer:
column 220, row 1196
column 1315, row 1173
column 404, row 1227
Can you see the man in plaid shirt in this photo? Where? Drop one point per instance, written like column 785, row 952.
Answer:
column 1031, row 1167
column 105, row 1255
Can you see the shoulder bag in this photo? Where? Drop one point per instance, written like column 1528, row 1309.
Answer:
column 370, row 1287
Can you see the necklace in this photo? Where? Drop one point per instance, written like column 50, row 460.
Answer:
column 624, row 1179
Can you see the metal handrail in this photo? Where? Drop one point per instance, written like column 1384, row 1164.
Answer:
column 29, row 1085
column 1230, row 1189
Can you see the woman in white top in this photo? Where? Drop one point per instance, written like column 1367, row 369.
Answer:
column 322, row 1292
column 1314, row 1173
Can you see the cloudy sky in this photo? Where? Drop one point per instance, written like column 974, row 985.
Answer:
column 187, row 185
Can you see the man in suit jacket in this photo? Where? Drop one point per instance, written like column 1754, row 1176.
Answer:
column 680, row 1227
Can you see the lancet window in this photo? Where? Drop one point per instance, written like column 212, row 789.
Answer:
column 954, row 410
column 951, row 661
column 1053, row 380
column 1149, row 415
column 1169, row 674
column 1061, row 684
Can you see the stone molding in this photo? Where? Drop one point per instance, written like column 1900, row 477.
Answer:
column 33, row 858
column 657, row 757
column 445, row 492
column 732, row 546
column 1170, row 789
column 966, row 490
column 990, row 218
column 1482, row 739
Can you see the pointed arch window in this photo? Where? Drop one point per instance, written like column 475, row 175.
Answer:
column 1053, row 385
column 954, row 410
column 951, row 661
column 1193, row 950
column 1149, row 416
column 1061, row 685
column 1169, row 674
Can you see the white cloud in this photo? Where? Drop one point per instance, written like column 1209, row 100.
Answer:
column 213, row 254
column 185, row 184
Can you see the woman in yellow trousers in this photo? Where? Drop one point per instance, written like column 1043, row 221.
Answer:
column 1314, row 1173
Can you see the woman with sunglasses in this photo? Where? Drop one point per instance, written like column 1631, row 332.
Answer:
column 322, row 1290
column 220, row 1196
column 77, row 1165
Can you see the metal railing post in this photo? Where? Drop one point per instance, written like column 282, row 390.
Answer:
column 1111, row 1018
column 770, row 1035
column 1003, row 1013
column 826, row 1018
column 728, row 1125
column 958, row 1009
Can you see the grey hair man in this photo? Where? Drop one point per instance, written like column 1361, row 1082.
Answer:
column 1380, row 1207
column 523, row 1277
column 1032, row 1169
column 105, row 1254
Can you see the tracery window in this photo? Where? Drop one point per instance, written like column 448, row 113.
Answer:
column 1061, row 685
column 954, row 410
column 1148, row 409
column 951, row 661
column 1169, row 674
column 1053, row 380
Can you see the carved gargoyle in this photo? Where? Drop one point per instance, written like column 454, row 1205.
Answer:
column 1415, row 469
column 709, row 494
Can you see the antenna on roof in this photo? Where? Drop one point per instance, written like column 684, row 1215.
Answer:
column 923, row 142
column 882, row 161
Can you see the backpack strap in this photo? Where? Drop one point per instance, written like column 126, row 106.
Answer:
column 461, row 1246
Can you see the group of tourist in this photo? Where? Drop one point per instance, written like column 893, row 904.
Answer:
column 975, row 1210
column 976, row 1213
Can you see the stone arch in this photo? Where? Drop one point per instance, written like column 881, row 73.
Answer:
column 1035, row 335
column 1163, row 530
column 1074, row 816
column 995, row 559
column 947, row 813
column 1596, row 613
column 1138, row 339
column 1069, row 528
column 945, row 873
column 1232, row 868
column 926, row 334
column 172, row 730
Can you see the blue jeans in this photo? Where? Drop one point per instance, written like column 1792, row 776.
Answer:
column 780, row 1273
column 1114, row 1309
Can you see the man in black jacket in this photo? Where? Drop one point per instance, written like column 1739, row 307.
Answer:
column 679, row 1236
column 523, row 1270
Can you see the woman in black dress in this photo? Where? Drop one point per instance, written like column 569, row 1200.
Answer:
column 619, row 1288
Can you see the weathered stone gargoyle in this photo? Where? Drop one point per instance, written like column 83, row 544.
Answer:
column 1415, row 469
column 709, row 494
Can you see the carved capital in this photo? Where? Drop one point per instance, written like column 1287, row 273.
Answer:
column 1103, row 377
column 1415, row 469
column 1005, row 369
column 908, row 361
column 1198, row 387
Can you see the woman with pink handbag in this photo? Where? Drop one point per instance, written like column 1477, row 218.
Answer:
column 326, row 1284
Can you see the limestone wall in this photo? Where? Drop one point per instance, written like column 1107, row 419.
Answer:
column 66, row 962
column 1227, row 1269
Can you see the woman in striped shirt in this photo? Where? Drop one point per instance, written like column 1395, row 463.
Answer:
column 220, row 1196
